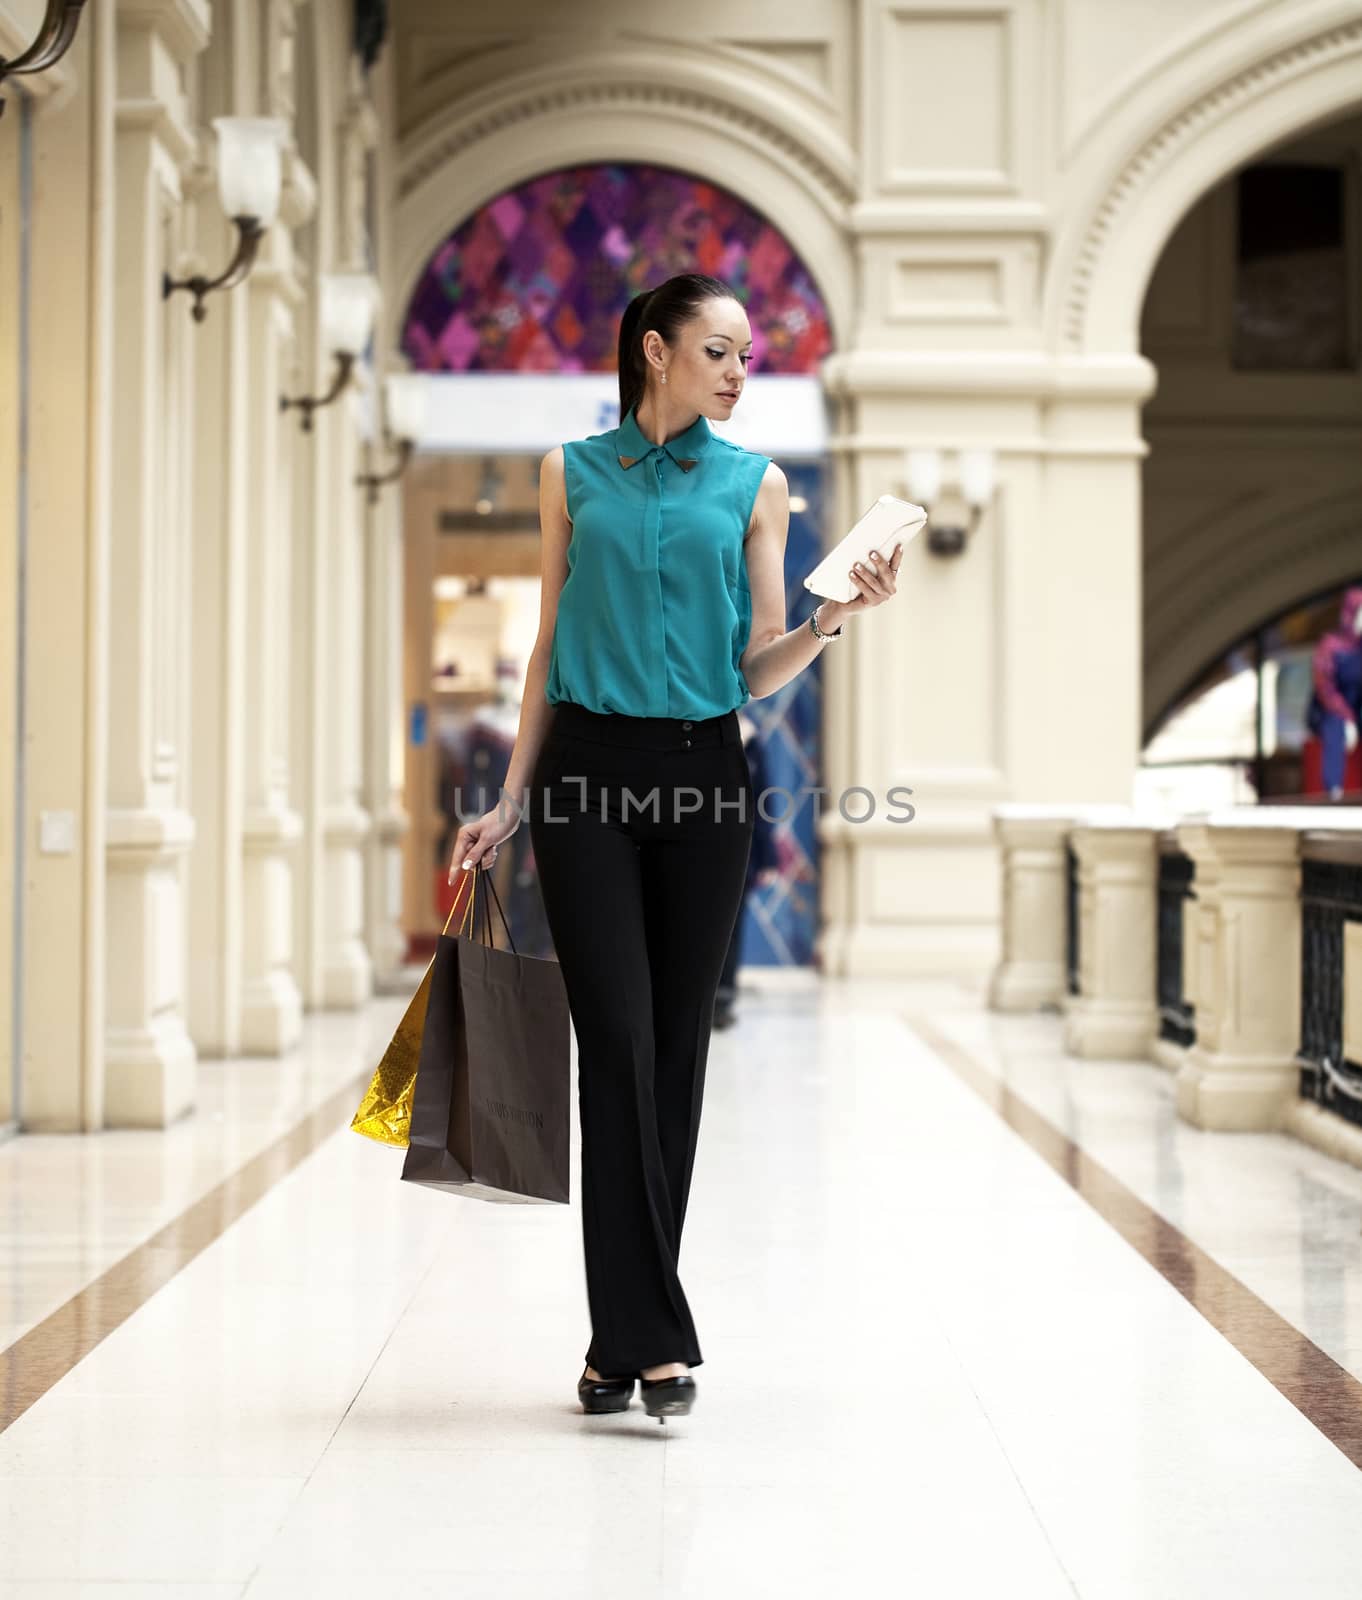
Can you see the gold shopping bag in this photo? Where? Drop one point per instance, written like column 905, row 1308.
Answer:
column 384, row 1114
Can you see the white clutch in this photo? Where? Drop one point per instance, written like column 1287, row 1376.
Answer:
column 889, row 523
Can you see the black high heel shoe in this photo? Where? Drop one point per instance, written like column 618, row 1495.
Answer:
column 668, row 1397
column 599, row 1395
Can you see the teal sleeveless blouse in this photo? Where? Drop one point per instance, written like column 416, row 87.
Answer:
column 655, row 611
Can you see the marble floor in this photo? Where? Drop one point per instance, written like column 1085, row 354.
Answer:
column 978, row 1320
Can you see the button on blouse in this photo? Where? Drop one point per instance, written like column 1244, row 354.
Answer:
column 655, row 611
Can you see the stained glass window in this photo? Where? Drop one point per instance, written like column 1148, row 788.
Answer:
column 536, row 280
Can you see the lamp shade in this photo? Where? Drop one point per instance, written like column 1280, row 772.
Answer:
column 977, row 472
column 405, row 402
column 250, row 166
column 347, row 310
column 923, row 472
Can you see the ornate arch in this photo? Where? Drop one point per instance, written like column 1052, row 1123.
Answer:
column 1235, row 93
column 1297, row 550
column 664, row 108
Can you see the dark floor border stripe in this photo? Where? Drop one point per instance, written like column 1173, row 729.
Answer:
column 42, row 1357
column 1320, row 1389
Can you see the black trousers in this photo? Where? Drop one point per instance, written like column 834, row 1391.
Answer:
column 642, row 827
column 727, row 990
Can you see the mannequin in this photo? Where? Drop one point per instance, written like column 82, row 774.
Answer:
column 1336, row 704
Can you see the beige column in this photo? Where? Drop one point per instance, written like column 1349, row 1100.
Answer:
column 271, row 1002
column 420, row 790
column 222, row 494
column 985, row 682
column 1033, row 846
column 150, row 1059
column 13, row 605
column 1240, row 1073
column 309, row 680
column 346, row 968
column 55, row 847
column 1115, row 1013
column 384, row 741
column 327, row 708
column 384, row 722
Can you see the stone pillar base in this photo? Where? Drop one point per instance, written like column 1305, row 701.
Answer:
column 1234, row 1094
column 271, row 1015
column 1027, row 986
column 1164, row 1053
column 1032, row 974
column 150, row 1060
column 149, row 1074
column 347, row 970
column 1108, row 1029
column 347, row 979
column 271, row 1004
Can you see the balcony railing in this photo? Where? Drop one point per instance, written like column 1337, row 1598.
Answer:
column 1331, row 897
column 1177, row 1022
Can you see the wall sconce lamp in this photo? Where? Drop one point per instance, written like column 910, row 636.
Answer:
column 53, row 41
column 348, row 301
column 250, row 174
column 974, row 477
column 404, row 407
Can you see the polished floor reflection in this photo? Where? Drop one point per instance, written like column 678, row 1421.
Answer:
column 977, row 1319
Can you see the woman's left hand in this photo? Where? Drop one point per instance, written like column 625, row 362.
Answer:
column 876, row 581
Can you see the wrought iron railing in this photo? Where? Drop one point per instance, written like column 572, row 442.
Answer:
column 1331, row 897
column 1177, row 1020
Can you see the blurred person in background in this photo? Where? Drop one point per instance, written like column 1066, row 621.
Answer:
column 1335, row 709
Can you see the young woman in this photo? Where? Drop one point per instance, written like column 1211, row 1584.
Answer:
column 662, row 611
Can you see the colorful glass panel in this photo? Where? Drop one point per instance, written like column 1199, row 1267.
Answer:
column 536, row 280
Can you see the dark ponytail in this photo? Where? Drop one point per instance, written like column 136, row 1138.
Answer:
column 667, row 309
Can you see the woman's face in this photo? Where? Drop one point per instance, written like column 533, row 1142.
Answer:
column 707, row 366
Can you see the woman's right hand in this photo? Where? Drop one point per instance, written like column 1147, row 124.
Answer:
column 476, row 843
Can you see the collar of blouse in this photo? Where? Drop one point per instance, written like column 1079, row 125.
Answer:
column 685, row 450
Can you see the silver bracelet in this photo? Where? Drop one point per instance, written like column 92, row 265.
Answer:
column 818, row 632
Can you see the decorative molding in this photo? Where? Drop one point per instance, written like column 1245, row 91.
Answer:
column 184, row 25
column 268, row 830
column 945, row 284
column 345, row 825
column 897, row 54
column 359, row 137
column 280, row 64
column 804, row 64
column 607, row 93
column 997, row 216
column 139, row 838
column 1177, row 131
column 1032, row 373
column 159, row 121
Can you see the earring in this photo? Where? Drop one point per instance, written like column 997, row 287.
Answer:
column 664, row 375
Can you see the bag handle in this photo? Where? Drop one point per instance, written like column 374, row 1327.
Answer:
column 470, row 921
